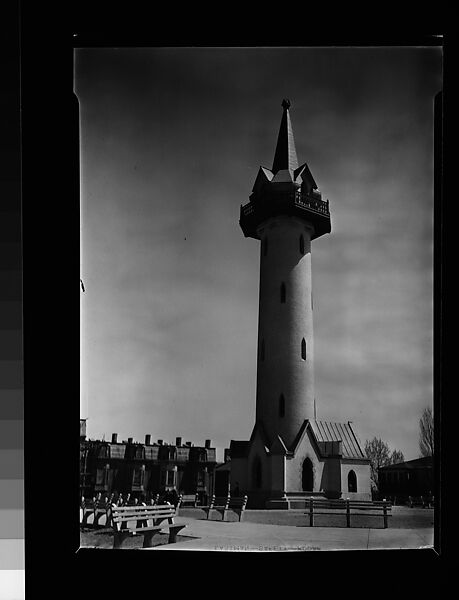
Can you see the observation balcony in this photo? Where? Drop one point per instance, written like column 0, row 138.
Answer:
column 309, row 207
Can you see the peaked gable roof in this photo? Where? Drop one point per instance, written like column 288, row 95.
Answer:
column 327, row 434
column 258, row 428
column 329, row 431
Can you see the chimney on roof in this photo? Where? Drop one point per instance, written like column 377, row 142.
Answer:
column 147, row 439
column 188, row 444
column 114, row 438
column 160, row 442
column 130, row 440
column 207, row 443
column 178, row 441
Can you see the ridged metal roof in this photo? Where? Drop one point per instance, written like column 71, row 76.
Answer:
column 327, row 431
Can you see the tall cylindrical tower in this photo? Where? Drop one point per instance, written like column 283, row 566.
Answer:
column 286, row 212
column 285, row 372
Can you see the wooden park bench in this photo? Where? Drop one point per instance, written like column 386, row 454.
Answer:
column 188, row 500
column 319, row 506
column 225, row 503
column 97, row 507
column 143, row 520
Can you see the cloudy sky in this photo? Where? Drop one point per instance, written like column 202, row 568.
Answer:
column 171, row 142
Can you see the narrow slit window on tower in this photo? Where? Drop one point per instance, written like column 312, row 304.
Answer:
column 262, row 350
column 282, row 406
column 301, row 244
column 303, row 349
column 282, row 293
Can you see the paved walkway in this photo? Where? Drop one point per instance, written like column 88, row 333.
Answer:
column 250, row 537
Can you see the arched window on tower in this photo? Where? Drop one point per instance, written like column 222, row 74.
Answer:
column 262, row 350
column 303, row 349
column 264, row 244
column 283, row 293
column 352, row 482
column 301, row 244
column 282, row 406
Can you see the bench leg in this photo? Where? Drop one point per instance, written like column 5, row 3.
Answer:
column 86, row 516
column 119, row 537
column 173, row 531
column 148, row 539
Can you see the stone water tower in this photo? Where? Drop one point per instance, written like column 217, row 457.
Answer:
column 290, row 454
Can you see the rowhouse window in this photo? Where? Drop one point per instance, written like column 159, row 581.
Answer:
column 282, row 293
column 301, row 244
column 282, row 406
column 137, row 477
column 303, row 349
column 100, row 476
column 170, row 477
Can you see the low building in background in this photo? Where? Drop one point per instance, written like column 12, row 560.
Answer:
column 413, row 478
column 146, row 469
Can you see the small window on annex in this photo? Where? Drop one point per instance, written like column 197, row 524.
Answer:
column 257, row 473
column 303, row 349
column 352, row 482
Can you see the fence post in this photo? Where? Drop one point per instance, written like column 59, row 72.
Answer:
column 385, row 515
column 348, row 513
column 311, row 512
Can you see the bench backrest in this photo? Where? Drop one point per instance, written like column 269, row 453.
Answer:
column 341, row 503
column 220, row 501
column 122, row 514
column 229, row 502
column 239, row 502
column 185, row 498
column 189, row 497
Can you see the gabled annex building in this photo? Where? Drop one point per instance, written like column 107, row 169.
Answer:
column 290, row 455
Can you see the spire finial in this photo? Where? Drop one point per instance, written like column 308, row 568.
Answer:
column 286, row 103
column 285, row 156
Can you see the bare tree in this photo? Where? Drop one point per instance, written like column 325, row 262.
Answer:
column 396, row 457
column 426, row 433
column 379, row 454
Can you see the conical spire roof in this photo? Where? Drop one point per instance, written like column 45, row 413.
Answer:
column 285, row 157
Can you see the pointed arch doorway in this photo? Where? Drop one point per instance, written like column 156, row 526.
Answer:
column 307, row 476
